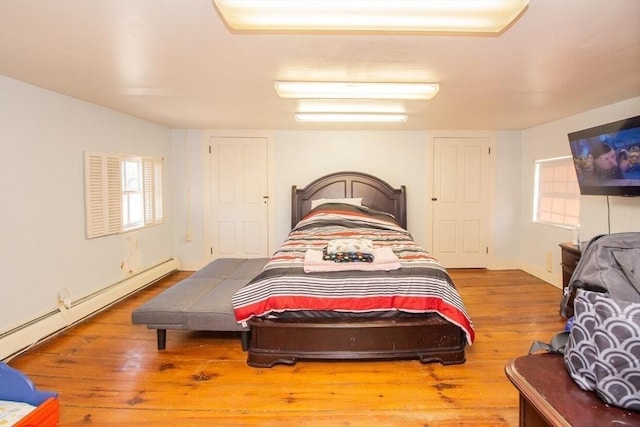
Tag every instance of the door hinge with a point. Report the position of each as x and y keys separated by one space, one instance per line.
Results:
x=209 y=149
x=487 y=249
x=489 y=150
x=211 y=250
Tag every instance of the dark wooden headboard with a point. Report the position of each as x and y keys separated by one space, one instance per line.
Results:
x=375 y=193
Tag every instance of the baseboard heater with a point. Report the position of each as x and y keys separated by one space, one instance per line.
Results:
x=22 y=337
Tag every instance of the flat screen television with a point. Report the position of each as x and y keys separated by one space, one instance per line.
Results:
x=607 y=158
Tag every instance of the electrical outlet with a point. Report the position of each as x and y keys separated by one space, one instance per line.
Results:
x=64 y=296
x=549 y=261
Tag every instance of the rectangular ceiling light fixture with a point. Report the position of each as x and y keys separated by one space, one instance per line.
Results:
x=351 y=117
x=345 y=90
x=350 y=106
x=470 y=16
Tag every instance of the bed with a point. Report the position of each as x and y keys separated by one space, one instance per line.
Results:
x=21 y=404
x=405 y=307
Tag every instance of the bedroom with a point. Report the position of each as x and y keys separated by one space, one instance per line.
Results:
x=45 y=133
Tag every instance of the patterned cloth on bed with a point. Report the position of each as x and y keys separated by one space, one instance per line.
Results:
x=12 y=412
x=421 y=285
x=348 y=250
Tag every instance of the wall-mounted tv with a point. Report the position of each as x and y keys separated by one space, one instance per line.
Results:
x=607 y=158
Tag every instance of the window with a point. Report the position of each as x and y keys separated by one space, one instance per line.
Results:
x=131 y=193
x=122 y=193
x=556 y=194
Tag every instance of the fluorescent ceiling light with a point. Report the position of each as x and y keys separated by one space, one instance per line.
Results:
x=350 y=106
x=350 y=117
x=488 y=16
x=344 y=90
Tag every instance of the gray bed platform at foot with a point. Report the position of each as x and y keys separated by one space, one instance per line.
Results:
x=201 y=302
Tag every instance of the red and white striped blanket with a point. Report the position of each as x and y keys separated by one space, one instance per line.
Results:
x=420 y=285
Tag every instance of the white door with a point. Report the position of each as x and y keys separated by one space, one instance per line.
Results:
x=239 y=197
x=460 y=202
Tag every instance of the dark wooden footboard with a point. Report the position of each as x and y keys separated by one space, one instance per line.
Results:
x=285 y=341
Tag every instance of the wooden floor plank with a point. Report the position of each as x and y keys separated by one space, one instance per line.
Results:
x=108 y=371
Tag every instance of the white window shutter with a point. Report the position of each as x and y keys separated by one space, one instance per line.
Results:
x=153 y=200
x=103 y=194
x=147 y=176
x=114 y=194
x=158 y=192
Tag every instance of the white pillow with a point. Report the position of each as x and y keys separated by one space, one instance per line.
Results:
x=349 y=201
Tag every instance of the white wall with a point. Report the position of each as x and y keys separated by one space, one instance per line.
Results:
x=295 y=157
x=397 y=157
x=550 y=140
x=505 y=233
x=188 y=188
x=298 y=157
x=43 y=248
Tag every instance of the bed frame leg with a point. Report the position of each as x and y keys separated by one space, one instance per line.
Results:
x=245 y=337
x=162 y=338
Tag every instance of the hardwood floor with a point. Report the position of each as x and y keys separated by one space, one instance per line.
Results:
x=108 y=372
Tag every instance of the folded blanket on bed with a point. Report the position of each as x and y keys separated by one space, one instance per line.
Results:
x=383 y=260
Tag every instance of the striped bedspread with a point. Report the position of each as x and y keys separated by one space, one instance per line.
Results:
x=421 y=285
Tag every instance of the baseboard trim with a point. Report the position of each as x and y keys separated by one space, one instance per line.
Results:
x=18 y=339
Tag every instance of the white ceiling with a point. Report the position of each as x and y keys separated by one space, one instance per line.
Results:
x=175 y=63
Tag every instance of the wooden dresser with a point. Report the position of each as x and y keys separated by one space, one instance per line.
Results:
x=549 y=397
x=571 y=254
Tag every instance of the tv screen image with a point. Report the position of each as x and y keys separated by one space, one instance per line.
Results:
x=607 y=158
